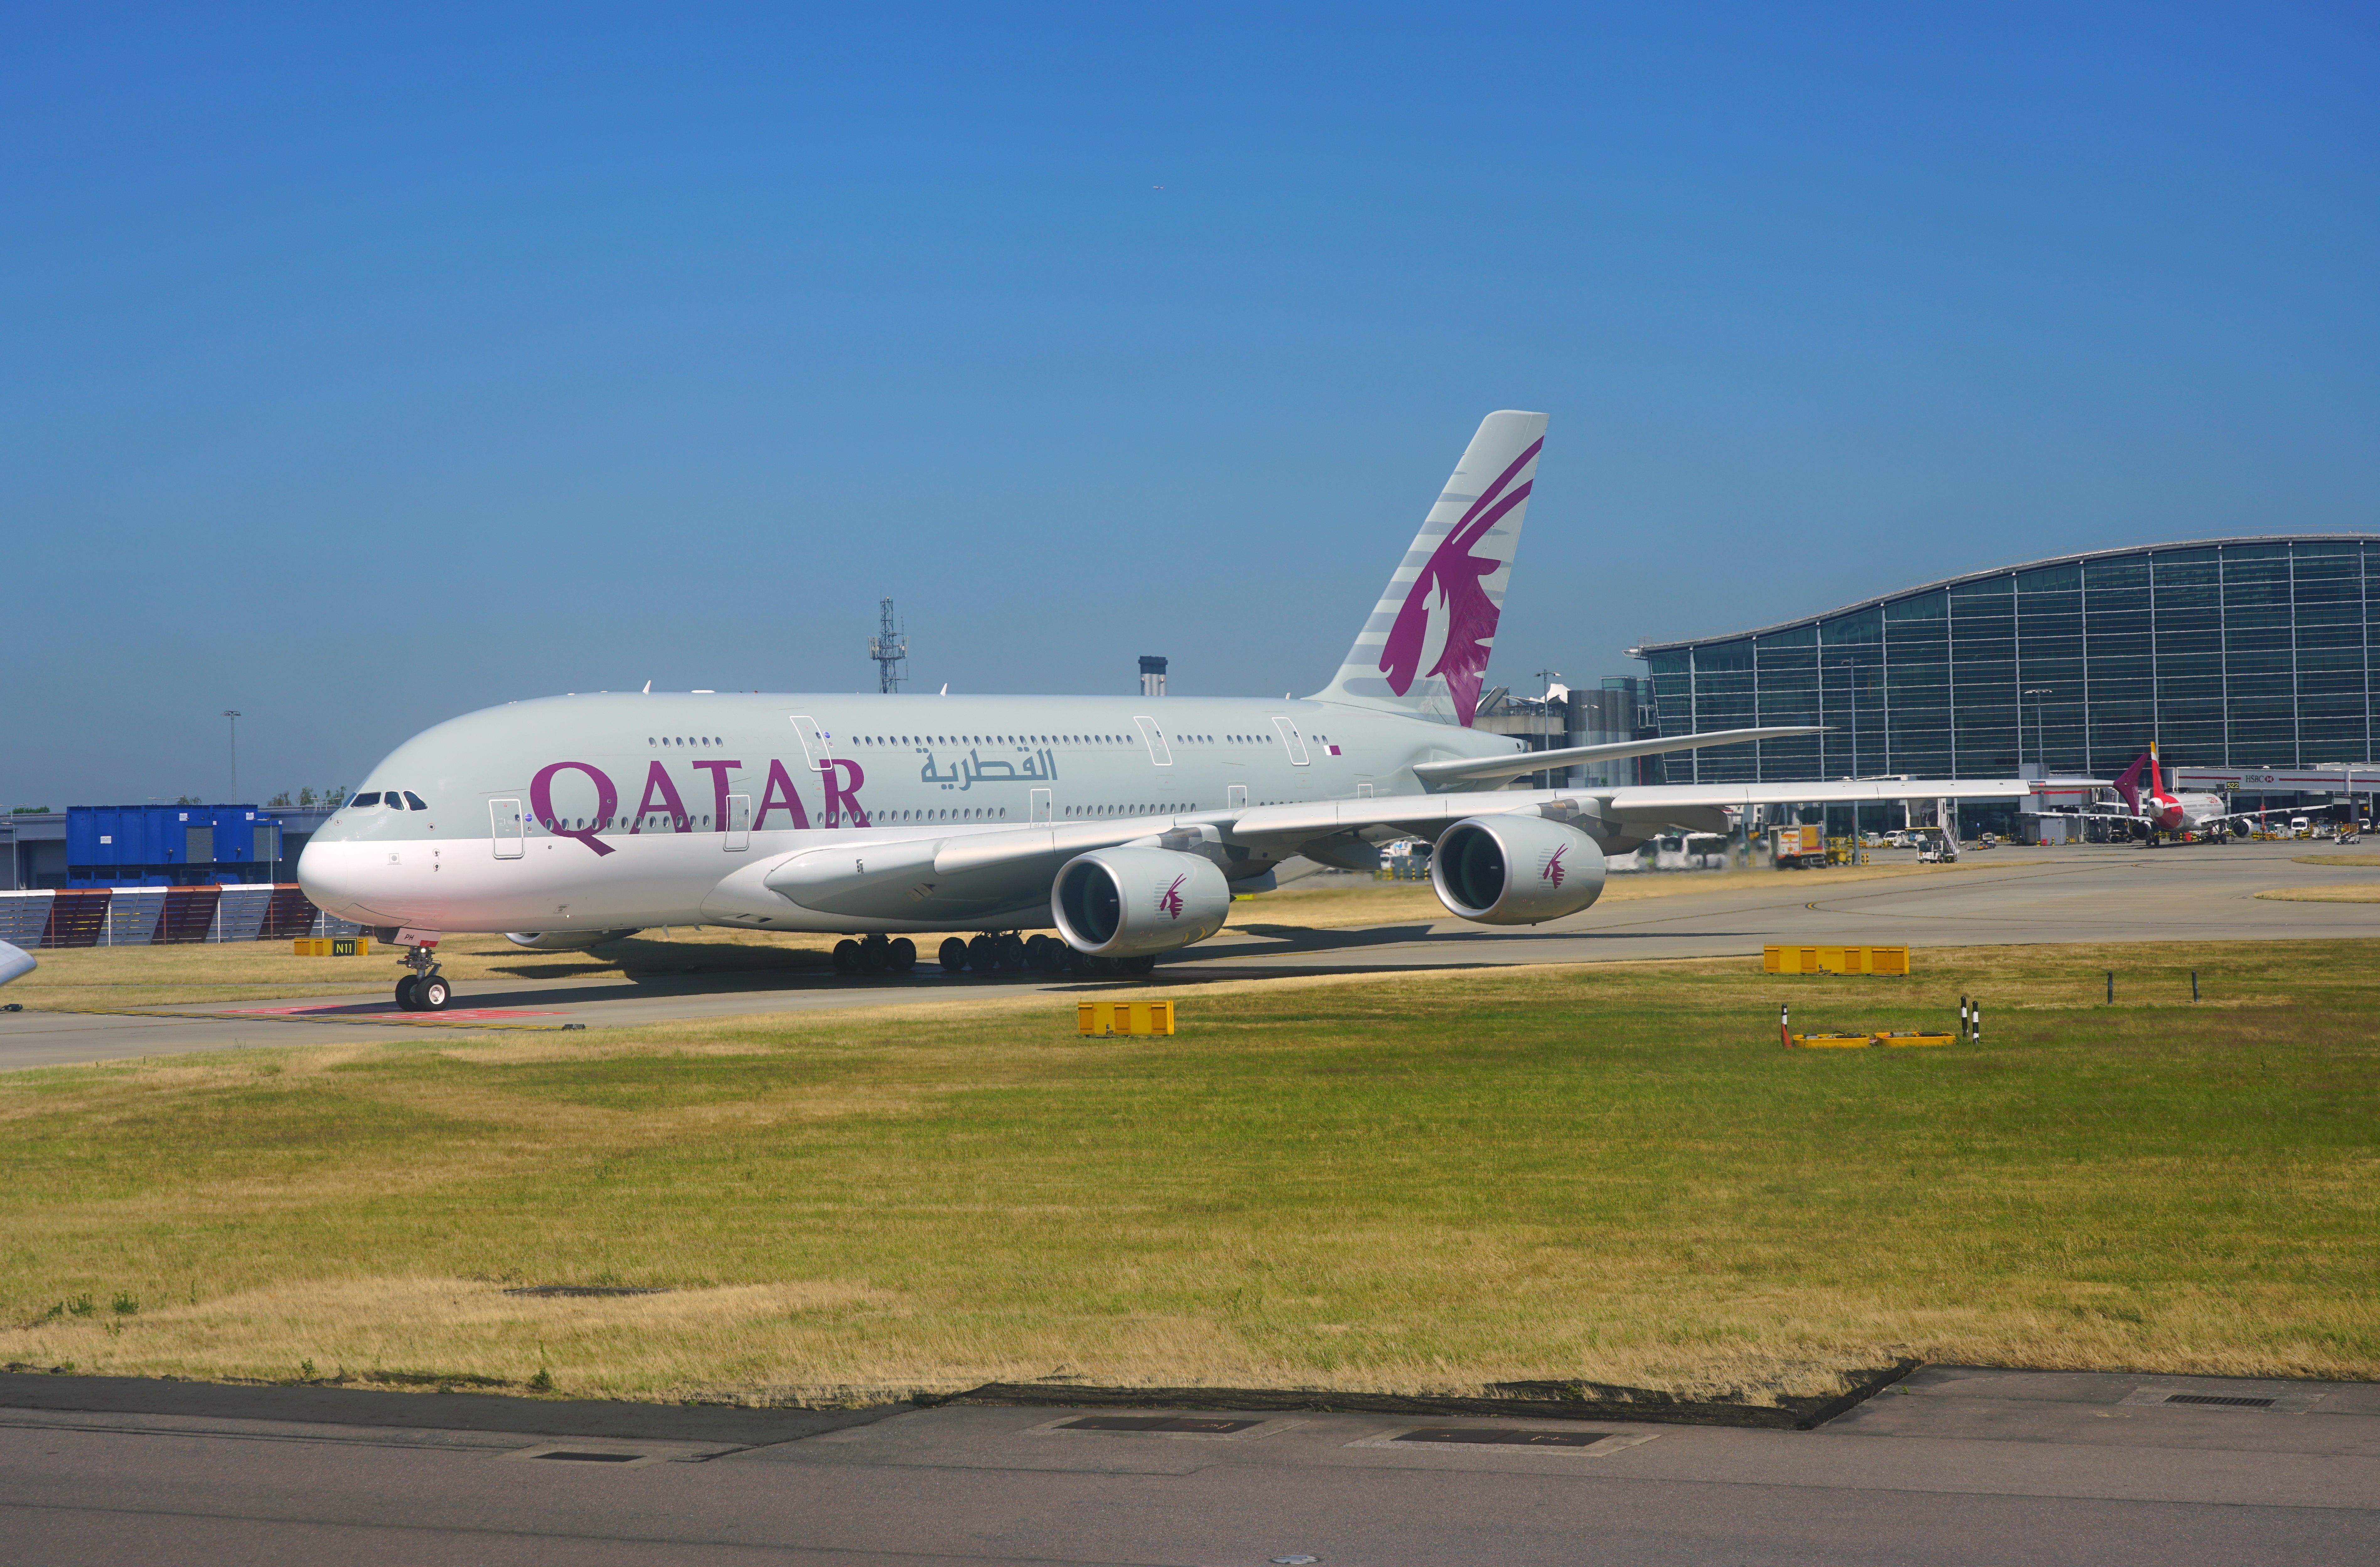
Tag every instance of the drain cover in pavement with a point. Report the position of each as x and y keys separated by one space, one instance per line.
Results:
x=2220 y=1402
x=1503 y=1438
x=1159 y=1423
x=593 y=1457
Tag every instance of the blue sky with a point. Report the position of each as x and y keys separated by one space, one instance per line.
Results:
x=360 y=368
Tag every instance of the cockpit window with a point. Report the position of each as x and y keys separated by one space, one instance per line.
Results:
x=362 y=801
x=416 y=801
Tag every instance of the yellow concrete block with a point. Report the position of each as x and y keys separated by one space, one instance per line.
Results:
x=1834 y=960
x=1106 y=1018
x=1833 y=1041
x=1900 y=1041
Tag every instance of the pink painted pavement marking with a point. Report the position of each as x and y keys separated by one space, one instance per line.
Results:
x=481 y=1013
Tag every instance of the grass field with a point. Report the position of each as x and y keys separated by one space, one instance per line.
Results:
x=2328 y=893
x=1609 y=1172
x=113 y=977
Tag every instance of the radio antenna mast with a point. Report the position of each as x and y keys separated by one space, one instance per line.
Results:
x=888 y=647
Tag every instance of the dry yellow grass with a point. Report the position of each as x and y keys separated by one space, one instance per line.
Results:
x=2336 y=860
x=1408 y=1184
x=200 y=973
x=168 y=976
x=2340 y=892
x=1343 y=901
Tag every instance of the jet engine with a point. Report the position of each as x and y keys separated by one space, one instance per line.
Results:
x=1130 y=902
x=563 y=941
x=1515 y=869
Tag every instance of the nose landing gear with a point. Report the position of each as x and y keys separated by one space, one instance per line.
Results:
x=424 y=988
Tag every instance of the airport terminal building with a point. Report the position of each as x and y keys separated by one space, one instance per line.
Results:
x=2249 y=652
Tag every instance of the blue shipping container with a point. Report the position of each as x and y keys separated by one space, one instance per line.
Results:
x=155 y=845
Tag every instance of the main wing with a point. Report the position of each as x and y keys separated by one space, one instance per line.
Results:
x=965 y=875
x=1700 y=807
x=1478 y=770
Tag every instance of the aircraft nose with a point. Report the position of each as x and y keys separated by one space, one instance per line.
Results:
x=335 y=877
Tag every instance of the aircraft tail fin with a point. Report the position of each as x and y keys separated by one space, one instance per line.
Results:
x=2128 y=786
x=1425 y=648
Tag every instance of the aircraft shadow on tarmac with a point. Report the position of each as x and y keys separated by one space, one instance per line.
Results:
x=685 y=974
x=1303 y=939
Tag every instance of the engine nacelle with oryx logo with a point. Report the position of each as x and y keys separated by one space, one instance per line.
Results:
x=1130 y=902
x=1515 y=869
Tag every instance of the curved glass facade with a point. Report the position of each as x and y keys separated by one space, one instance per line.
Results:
x=2236 y=652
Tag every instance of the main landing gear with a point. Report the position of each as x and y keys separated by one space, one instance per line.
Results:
x=424 y=989
x=875 y=955
x=1011 y=953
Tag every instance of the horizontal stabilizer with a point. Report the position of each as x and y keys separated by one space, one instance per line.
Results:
x=1437 y=775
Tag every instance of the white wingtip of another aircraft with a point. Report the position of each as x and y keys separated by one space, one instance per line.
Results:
x=15 y=963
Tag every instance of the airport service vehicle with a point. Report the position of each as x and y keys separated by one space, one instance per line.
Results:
x=1795 y=847
x=15 y=962
x=1124 y=823
x=2155 y=814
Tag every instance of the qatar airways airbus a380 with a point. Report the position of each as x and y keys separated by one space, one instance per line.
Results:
x=1124 y=823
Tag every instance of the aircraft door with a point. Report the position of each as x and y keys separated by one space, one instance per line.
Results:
x=1235 y=796
x=813 y=738
x=739 y=822
x=1293 y=740
x=1040 y=798
x=1158 y=752
x=509 y=827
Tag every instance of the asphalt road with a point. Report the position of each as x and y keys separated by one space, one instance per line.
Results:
x=2005 y=896
x=1964 y=1466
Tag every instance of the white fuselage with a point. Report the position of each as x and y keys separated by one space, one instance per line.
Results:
x=653 y=809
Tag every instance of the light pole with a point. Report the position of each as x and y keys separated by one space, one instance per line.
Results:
x=1850 y=666
x=2040 y=749
x=232 y=714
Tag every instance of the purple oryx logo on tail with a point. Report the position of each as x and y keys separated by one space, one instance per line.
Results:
x=1553 y=871
x=1448 y=620
x=1168 y=902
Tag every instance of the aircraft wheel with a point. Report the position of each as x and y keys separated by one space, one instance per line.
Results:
x=982 y=956
x=902 y=955
x=405 y=988
x=1011 y=954
x=846 y=956
x=873 y=954
x=953 y=955
x=1147 y=964
x=432 y=993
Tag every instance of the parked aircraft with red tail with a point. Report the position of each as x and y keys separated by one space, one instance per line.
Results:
x=2154 y=813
